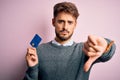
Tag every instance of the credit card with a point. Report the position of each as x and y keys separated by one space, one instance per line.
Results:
x=35 y=41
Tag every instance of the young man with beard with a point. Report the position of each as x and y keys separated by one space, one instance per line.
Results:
x=62 y=58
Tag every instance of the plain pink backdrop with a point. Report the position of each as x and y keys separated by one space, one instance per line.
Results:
x=21 y=19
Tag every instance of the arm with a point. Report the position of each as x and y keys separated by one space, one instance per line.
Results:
x=32 y=62
x=107 y=55
x=31 y=73
x=97 y=49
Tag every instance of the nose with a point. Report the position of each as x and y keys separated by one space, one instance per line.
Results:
x=65 y=26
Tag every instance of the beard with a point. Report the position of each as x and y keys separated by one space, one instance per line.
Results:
x=63 y=38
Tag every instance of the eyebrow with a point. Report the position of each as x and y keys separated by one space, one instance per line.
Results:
x=64 y=20
x=70 y=21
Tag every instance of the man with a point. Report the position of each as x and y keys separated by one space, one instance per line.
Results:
x=62 y=58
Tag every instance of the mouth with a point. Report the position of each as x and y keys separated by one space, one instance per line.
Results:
x=64 y=32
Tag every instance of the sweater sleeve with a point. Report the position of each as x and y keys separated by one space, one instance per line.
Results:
x=31 y=73
x=108 y=55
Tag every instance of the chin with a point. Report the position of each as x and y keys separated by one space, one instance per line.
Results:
x=64 y=38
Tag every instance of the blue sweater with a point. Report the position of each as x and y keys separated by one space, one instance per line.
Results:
x=62 y=62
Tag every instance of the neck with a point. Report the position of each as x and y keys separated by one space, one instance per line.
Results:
x=60 y=41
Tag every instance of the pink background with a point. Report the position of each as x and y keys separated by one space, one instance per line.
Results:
x=21 y=19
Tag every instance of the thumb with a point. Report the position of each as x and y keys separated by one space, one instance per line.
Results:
x=88 y=64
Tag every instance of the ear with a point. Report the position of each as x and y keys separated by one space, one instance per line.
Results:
x=53 y=22
x=75 y=23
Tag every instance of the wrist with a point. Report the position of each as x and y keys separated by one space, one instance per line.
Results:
x=109 y=46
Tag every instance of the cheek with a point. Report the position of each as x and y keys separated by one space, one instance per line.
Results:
x=58 y=27
x=72 y=29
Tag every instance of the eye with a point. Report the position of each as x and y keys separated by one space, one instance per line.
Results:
x=70 y=22
x=60 y=21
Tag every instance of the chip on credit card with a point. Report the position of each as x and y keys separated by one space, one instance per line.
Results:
x=35 y=41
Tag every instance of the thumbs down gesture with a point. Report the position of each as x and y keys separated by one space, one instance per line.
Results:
x=94 y=47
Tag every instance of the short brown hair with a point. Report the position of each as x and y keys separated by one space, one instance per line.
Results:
x=66 y=7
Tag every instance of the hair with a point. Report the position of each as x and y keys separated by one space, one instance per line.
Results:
x=66 y=7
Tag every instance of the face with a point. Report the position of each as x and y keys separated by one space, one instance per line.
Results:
x=64 y=25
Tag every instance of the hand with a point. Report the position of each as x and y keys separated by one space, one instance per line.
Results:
x=31 y=57
x=94 y=47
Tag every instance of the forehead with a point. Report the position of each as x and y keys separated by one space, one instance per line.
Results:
x=65 y=16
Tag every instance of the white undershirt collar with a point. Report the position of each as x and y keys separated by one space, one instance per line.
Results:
x=69 y=43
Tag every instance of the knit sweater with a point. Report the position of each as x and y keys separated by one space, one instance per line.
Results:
x=62 y=62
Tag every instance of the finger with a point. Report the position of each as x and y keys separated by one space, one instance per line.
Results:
x=89 y=48
x=88 y=64
x=85 y=51
x=86 y=45
x=98 y=48
x=88 y=53
x=92 y=39
x=90 y=44
x=31 y=50
x=29 y=57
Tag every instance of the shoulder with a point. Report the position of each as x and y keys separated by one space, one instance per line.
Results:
x=80 y=44
x=43 y=46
